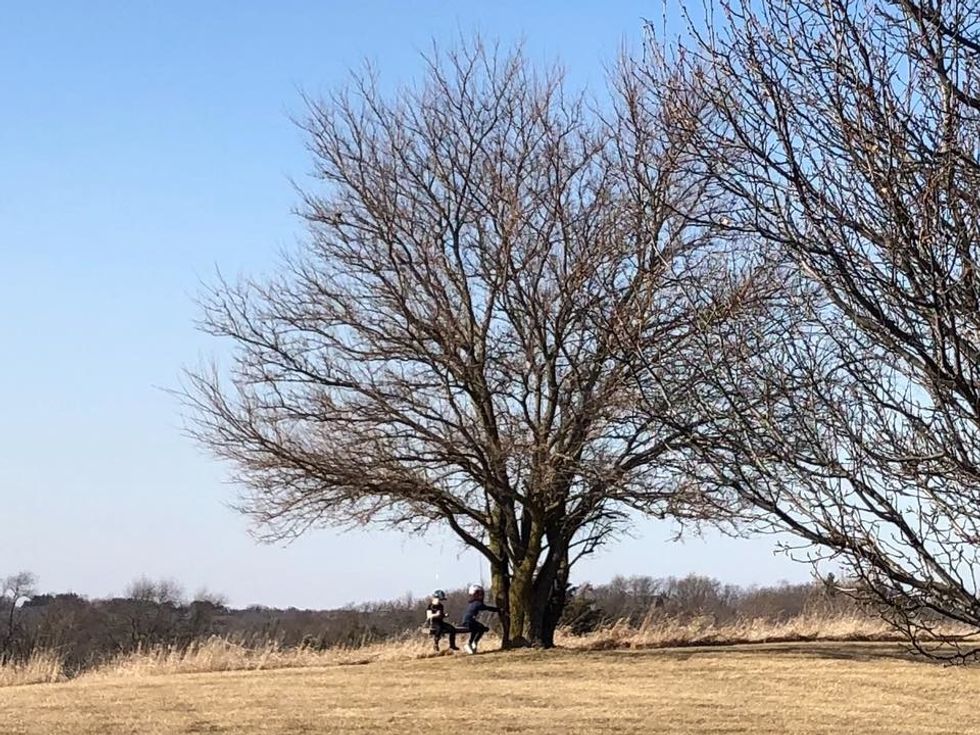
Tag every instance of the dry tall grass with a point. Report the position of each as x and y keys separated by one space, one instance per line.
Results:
x=220 y=654
x=667 y=632
x=43 y=667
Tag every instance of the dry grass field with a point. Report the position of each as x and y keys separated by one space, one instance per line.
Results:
x=808 y=688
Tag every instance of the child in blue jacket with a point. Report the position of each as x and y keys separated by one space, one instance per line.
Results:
x=471 y=619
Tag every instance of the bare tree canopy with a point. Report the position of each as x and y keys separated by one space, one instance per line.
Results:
x=457 y=343
x=848 y=135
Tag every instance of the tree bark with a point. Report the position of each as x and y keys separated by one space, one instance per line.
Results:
x=555 y=605
x=520 y=609
x=500 y=582
x=548 y=596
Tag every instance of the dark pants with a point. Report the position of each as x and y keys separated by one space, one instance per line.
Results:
x=438 y=628
x=476 y=629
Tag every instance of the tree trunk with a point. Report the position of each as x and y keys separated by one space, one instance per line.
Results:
x=500 y=581
x=550 y=593
x=555 y=606
x=531 y=595
x=520 y=608
x=531 y=604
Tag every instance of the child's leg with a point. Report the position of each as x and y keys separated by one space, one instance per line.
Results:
x=451 y=631
x=435 y=640
x=481 y=629
x=474 y=632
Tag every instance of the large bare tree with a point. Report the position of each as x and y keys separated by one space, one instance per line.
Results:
x=455 y=344
x=847 y=133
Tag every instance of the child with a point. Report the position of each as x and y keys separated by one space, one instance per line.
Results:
x=435 y=614
x=471 y=620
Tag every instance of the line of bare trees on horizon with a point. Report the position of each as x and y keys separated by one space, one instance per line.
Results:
x=742 y=290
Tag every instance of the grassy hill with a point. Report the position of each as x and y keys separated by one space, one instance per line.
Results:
x=776 y=688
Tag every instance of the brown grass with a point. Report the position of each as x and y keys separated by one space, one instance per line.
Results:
x=219 y=654
x=43 y=667
x=670 y=632
x=805 y=689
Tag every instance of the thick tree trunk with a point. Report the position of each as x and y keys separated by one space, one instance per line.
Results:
x=550 y=589
x=531 y=604
x=555 y=606
x=500 y=581
x=520 y=609
x=532 y=594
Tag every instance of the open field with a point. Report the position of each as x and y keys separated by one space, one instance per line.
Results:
x=777 y=688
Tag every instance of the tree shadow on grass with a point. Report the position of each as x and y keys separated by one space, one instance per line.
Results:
x=842 y=651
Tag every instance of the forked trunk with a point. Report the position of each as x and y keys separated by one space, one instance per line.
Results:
x=531 y=595
x=534 y=600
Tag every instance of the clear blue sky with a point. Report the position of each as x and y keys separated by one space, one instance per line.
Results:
x=141 y=145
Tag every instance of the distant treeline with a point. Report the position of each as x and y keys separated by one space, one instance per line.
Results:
x=87 y=632
x=637 y=599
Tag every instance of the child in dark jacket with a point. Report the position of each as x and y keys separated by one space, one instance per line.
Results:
x=435 y=615
x=471 y=619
